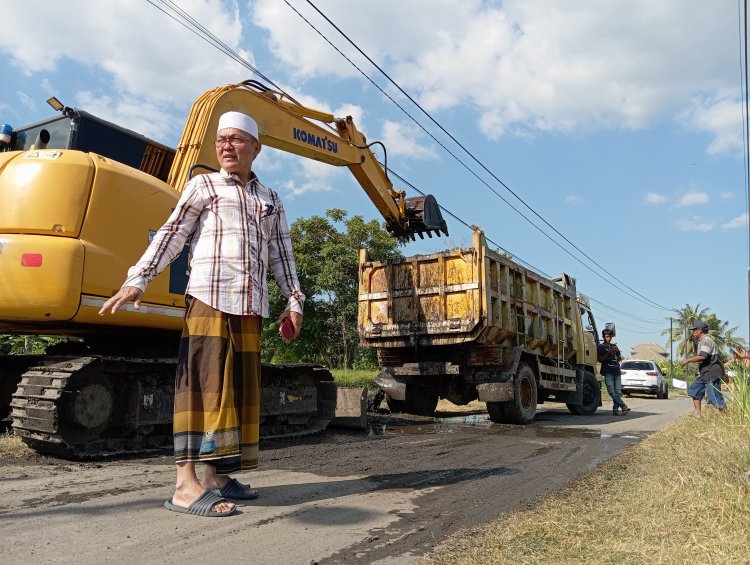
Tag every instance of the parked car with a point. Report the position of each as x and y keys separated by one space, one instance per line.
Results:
x=643 y=377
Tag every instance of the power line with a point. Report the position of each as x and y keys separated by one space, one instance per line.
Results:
x=183 y=18
x=469 y=153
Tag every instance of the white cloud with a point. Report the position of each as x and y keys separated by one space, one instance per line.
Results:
x=146 y=117
x=736 y=223
x=404 y=139
x=692 y=199
x=570 y=199
x=26 y=100
x=528 y=66
x=696 y=223
x=521 y=66
x=146 y=53
x=726 y=195
x=309 y=175
x=654 y=198
x=721 y=117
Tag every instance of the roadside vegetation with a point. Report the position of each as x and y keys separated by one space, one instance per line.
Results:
x=680 y=496
x=12 y=446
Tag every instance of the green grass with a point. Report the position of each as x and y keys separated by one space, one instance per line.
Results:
x=355 y=378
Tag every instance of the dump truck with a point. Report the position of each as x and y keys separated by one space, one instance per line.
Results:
x=471 y=324
x=81 y=198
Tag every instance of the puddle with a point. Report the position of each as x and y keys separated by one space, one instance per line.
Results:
x=482 y=421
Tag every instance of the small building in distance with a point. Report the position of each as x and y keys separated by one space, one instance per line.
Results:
x=649 y=351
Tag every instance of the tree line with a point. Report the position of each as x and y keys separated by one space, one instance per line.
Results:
x=326 y=250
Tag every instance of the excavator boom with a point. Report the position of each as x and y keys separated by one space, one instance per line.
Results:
x=286 y=125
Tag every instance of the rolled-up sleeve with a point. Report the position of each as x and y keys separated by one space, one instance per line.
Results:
x=169 y=239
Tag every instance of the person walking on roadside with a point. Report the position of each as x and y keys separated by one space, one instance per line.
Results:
x=710 y=370
x=237 y=230
x=608 y=354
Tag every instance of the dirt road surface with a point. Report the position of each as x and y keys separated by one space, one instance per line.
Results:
x=386 y=497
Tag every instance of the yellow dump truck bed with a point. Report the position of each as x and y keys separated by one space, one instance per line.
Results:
x=461 y=296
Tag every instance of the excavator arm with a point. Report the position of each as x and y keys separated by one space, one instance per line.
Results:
x=286 y=125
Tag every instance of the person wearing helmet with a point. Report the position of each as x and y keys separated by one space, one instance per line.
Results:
x=608 y=354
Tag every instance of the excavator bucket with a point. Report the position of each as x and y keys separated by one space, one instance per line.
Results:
x=351 y=408
x=424 y=216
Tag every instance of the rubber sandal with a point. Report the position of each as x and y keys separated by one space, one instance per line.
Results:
x=201 y=506
x=236 y=490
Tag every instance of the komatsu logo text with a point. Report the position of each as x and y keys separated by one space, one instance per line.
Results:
x=316 y=140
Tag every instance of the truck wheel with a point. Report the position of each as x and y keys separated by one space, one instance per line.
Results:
x=395 y=405
x=592 y=392
x=666 y=391
x=496 y=412
x=421 y=400
x=522 y=409
x=660 y=393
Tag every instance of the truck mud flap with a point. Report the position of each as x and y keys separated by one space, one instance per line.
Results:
x=393 y=388
x=496 y=392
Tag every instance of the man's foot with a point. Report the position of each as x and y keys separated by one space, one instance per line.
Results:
x=624 y=411
x=615 y=412
x=184 y=497
x=230 y=488
x=695 y=415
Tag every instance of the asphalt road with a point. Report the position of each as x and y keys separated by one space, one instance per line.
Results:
x=387 y=496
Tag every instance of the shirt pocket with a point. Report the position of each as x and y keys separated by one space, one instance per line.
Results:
x=268 y=216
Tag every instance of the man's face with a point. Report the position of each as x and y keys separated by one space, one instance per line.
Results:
x=236 y=150
x=697 y=333
x=607 y=338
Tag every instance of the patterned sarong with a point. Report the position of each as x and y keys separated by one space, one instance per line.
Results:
x=217 y=389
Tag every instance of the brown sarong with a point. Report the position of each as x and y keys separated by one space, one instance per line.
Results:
x=217 y=389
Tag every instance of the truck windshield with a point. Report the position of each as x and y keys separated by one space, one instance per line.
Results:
x=59 y=130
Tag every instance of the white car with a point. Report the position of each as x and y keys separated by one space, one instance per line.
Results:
x=643 y=377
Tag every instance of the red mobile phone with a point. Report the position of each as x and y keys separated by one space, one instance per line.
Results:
x=287 y=328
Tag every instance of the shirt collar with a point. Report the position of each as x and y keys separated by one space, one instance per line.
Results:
x=233 y=176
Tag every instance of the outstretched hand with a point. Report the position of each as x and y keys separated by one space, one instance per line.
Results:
x=295 y=319
x=124 y=295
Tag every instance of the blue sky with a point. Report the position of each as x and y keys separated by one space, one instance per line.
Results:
x=620 y=123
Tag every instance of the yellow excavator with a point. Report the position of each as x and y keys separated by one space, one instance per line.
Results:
x=80 y=199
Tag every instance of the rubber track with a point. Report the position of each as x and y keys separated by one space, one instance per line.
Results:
x=38 y=417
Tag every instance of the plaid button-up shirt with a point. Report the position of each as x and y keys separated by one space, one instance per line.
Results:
x=236 y=232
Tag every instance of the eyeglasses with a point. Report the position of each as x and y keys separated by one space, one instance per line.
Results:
x=234 y=141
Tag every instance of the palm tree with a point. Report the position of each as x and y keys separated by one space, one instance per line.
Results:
x=683 y=319
x=724 y=336
x=719 y=330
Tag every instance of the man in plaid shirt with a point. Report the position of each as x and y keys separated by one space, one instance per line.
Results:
x=237 y=230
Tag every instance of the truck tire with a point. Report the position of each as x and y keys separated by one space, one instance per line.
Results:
x=421 y=400
x=394 y=405
x=592 y=393
x=522 y=409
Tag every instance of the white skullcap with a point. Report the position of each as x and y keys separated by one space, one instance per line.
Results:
x=238 y=120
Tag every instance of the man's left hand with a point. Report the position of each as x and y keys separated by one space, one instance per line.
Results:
x=296 y=319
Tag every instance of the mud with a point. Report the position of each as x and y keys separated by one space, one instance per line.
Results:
x=388 y=495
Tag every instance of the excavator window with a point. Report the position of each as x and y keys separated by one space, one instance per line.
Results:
x=59 y=131
x=83 y=132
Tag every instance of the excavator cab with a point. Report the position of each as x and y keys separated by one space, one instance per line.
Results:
x=78 y=130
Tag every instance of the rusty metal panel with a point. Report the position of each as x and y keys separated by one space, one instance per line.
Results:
x=472 y=295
